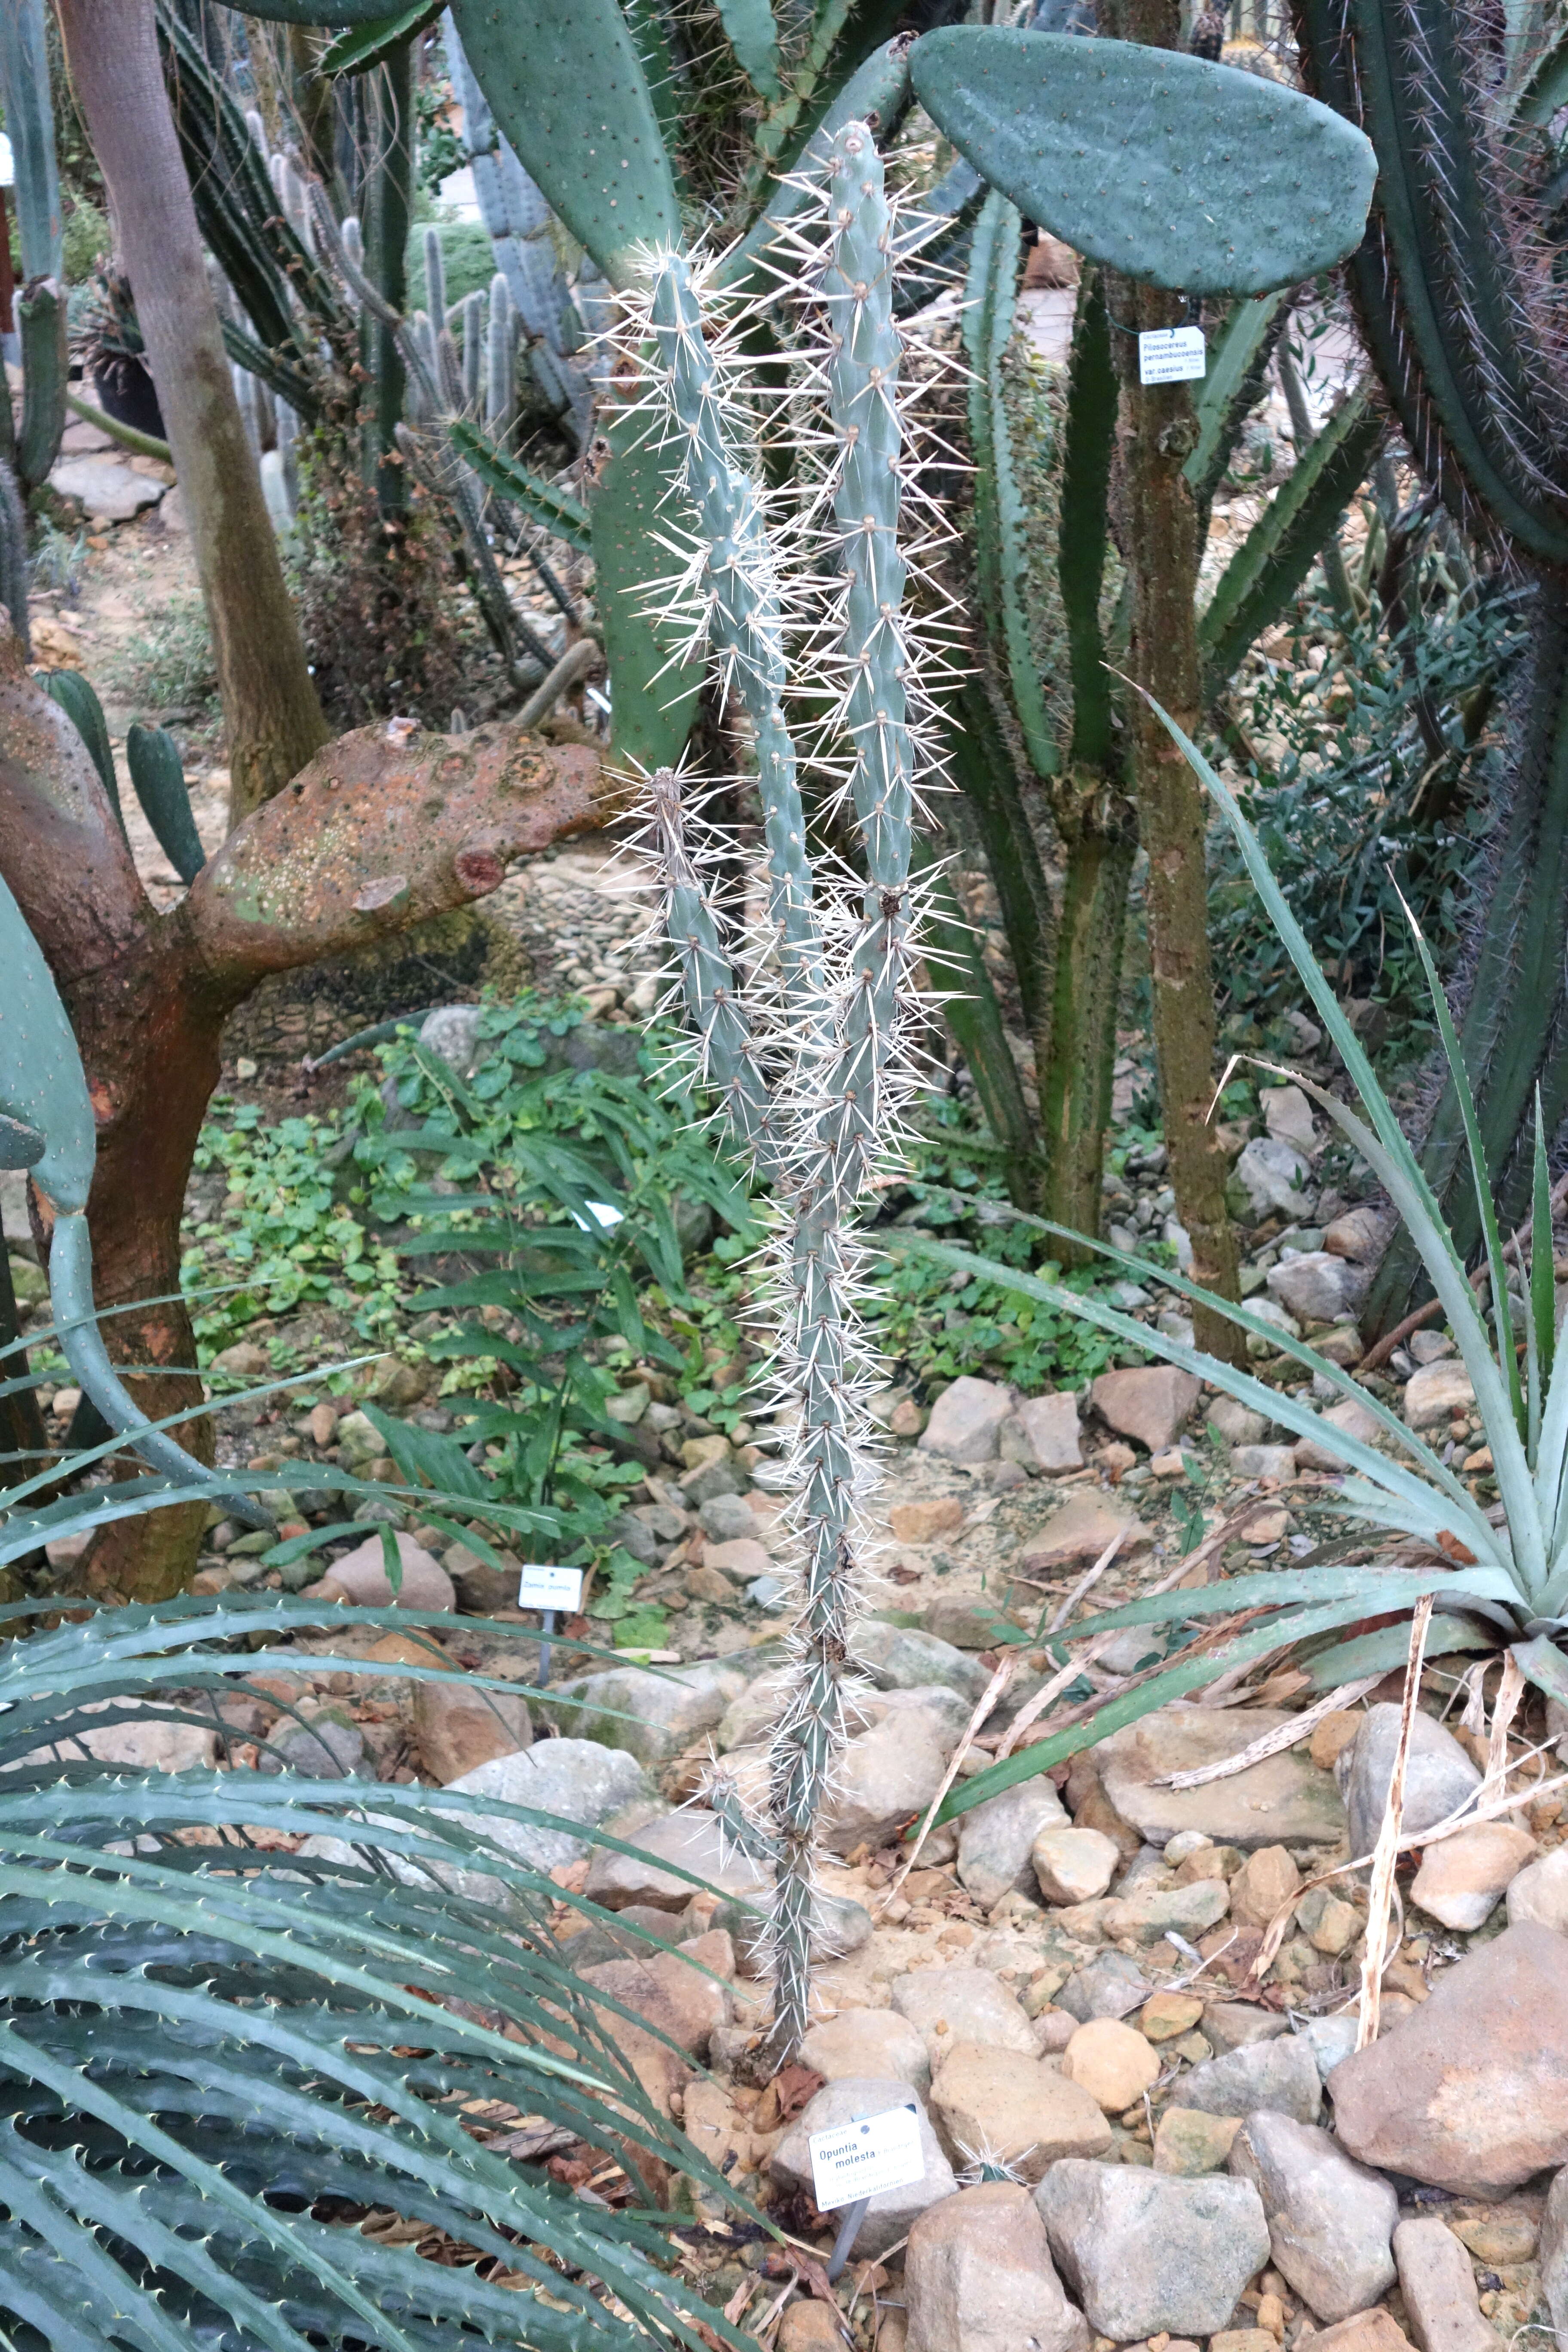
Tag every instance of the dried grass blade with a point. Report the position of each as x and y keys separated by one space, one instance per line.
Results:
x=1386 y=1851
x=983 y=1706
x=1272 y=1743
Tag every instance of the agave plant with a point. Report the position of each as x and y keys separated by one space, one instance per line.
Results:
x=1496 y=1584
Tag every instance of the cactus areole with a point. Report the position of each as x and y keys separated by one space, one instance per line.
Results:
x=1183 y=174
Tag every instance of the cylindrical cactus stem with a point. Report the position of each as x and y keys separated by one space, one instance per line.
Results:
x=14 y=557
x=473 y=350
x=499 y=347
x=740 y=583
x=434 y=280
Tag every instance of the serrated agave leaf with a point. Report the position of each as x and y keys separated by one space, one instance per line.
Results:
x=1166 y=168
x=1543 y=1313
x=28 y=2200
x=1132 y=1706
x=1388 y=1648
x=1289 y=1587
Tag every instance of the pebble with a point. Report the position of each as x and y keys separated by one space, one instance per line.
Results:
x=360 y=1577
x=978 y=2277
x=1043 y=1433
x=923 y=1522
x=1265 y=1884
x=1330 y=2219
x=1111 y=1986
x=1168 y=2014
x=1152 y=1913
x=996 y=1839
x=1282 y=2074
x=457 y=1727
x=1073 y=1866
x=1434 y=1393
x=1319 y=1286
x=1555 y=2251
x=867 y=2041
x=1188 y=2142
x=1112 y=2062
x=1234 y=1422
x=1366 y=2331
x=906 y=1657
x=947 y=2005
x=883 y=1777
x=1148 y=2253
x=1081 y=1529
x=1538 y=1895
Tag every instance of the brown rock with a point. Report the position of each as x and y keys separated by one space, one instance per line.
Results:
x=323 y=1424
x=1153 y=1404
x=1025 y=2112
x=1463 y=1878
x=677 y=1998
x=1333 y=1736
x=1081 y=1531
x=361 y=1577
x=1167 y=2015
x=740 y=1560
x=1043 y=1433
x=922 y=1523
x=978 y=2277
x=1470 y=2091
x=1111 y=2061
x=1094 y=1810
x=1284 y=1800
x=1439 y=2289
x=458 y=1727
x=965 y=1420
x=1363 y=2331
x=809 y=2327
x=1266 y=1881
x=1074 y=1866
x=1355 y=1418
x=1189 y=2143
x=705 y=1583
x=1244 y=2339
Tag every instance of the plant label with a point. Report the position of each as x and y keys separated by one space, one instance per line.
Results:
x=1170 y=355
x=545 y=1587
x=862 y=2158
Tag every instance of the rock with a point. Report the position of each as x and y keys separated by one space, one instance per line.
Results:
x=738 y=1560
x=860 y=2041
x=892 y=2212
x=1016 y=2108
x=717 y=1477
x=458 y=1727
x=1043 y=1433
x=903 y=1657
x=1368 y=2331
x=1280 y=2075
x=1361 y=1234
x=1153 y=1404
x=690 y=1839
x=1427 y=1346
x=997 y=1840
x=956 y=2004
x=1356 y=1420
x=652 y=1715
x=1148 y=2254
x=978 y=2277
x=1287 y=1116
x=1538 y=1896
x=1111 y=1986
x=1234 y=1424
x=1463 y=1878
x=1167 y=2015
x=1283 y=1801
x=968 y=1621
x=246 y=1361
x=1329 y=1924
x=1269 y=1311
x=452 y=1033
x=1277 y=1462
x=809 y=2327
x=1235 y=2024
x=360 y=1577
x=482 y=1590
x=1555 y=2251
x=1266 y=1179
x=1330 y=2219
x=109 y=492
x=1081 y=1531
x=934 y=1712
x=1470 y=2091
x=151 y=1747
x=922 y=1523
x=685 y=2002
x=1332 y=2039
x=325 y=1748
x=1073 y=1866
x=1435 y=1393
x=1439 y=2289
x=1266 y=1882
x=1439 y=1777
x=1319 y=1288
x=1111 y=2061
x=966 y=1420
x=728 y=1518
x=1146 y=1916
x=1189 y=2143
x=885 y=1776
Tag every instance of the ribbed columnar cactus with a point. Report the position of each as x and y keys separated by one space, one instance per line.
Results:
x=810 y=1074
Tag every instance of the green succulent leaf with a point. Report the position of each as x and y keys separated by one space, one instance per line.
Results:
x=361 y=48
x=752 y=35
x=1166 y=168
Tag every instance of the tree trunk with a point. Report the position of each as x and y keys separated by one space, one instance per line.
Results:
x=1097 y=826
x=1158 y=518
x=380 y=831
x=270 y=709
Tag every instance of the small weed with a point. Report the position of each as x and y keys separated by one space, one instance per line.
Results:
x=58 y=559
x=171 y=666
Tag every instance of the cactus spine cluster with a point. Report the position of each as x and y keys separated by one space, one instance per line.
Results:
x=807 y=1049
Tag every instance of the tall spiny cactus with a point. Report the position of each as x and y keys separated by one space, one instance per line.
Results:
x=810 y=1082
x=41 y=307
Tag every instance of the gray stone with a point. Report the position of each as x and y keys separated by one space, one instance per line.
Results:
x=360 y=1577
x=693 y=1841
x=1437 y=1391
x=1287 y=1113
x=322 y=1749
x=653 y=1716
x=1355 y=1419
x=1330 y=2219
x=1554 y=2252
x=1361 y=1234
x=892 y=2212
x=1439 y=2285
x=1281 y=2075
x=452 y=1034
x=957 y=2004
x=712 y=1479
x=1235 y=2024
x=1150 y=2254
x=1540 y=1893
x=1234 y=1424
x=1268 y=1179
x=978 y=2277
x=886 y=1777
x=105 y=489
x=1263 y=1462
x=995 y=1841
x=1332 y=2039
x=1283 y=1800
x=1319 y=1288
x=1147 y=1914
x=966 y=1420
x=903 y=1657
x=867 y=2041
x=728 y=1518
x=936 y=1712
x=1111 y=1986
x=633 y=1534
x=1043 y=1433
x=1439 y=1778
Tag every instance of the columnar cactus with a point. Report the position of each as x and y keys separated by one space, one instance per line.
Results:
x=810 y=1079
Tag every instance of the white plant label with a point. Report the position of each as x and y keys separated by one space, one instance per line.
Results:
x=862 y=2158
x=1170 y=355
x=545 y=1587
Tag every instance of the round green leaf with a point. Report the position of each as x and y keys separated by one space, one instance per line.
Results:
x=1182 y=174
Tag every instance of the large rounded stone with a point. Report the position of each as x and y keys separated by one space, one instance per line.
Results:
x=1538 y=1896
x=892 y=2212
x=978 y=2277
x=1073 y=1866
x=1111 y=2061
x=867 y=2041
x=360 y=1577
x=1463 y=1878
x=997 y=2102
x=1439 y=1778
x=955 y=2004
x=1330 y=2219
x=966 y=1420
x=996 y=1839
x=652 y=1716
x=1283 y=1800
x=1148 y=2253
x=691 y=1840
